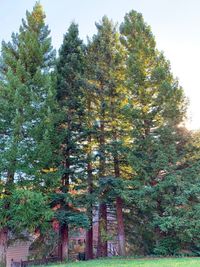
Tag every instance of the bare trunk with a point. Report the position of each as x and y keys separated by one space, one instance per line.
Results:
x=89 y=244
x=63 y=248
x=102 y=231
x=120 y=223
x=3 y=245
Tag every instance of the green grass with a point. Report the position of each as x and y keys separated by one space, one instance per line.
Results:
x=167 y=262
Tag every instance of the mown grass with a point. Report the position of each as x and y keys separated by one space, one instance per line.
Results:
x=167 y=262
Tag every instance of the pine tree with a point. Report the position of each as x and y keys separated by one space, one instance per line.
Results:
x=27 y=101
x=102 y=126
x=70 y=96
x=156 y=109
x=106 y=57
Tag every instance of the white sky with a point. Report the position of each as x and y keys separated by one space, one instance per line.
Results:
x=175 y=24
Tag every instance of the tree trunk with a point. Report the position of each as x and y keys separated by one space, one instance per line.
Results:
x=64 y=240
x=120 y=221
x=89 y=244
x=3 y=245
x=89 y=233
x=102 y=250
x=63 y=248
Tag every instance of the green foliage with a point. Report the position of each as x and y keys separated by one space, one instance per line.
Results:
x=156 y=109
x=167 y=246
x=106 y=71
x=28 y=210
x=71 y=127
x=28 y=114
x=103 y=121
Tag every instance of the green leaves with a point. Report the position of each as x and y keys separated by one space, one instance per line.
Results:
x=73 y=218
x=28 y=210
x=103 y=125
x=28 y=140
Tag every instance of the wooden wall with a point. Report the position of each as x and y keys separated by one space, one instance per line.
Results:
x=17 y=252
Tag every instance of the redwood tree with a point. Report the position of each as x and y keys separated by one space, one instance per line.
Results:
x=27 y=143
x=70 y=96
x=107 y=57
x=156 y=109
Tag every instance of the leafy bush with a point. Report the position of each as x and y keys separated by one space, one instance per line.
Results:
x=167 y=246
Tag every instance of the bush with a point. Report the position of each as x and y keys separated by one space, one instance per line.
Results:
x=167 y=246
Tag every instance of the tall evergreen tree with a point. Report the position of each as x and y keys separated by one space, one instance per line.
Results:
x=108 y=119
x=156 y=109
x=27 y=101
x=70 y=96
x=107 y=73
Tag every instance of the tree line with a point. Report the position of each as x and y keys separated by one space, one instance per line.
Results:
x=100 y=126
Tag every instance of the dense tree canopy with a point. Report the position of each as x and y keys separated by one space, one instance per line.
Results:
x=28 y=140
x=97 y=130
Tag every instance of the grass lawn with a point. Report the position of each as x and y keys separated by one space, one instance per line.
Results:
x=180 y=262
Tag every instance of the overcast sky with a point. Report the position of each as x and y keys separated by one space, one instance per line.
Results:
x=175 y=24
